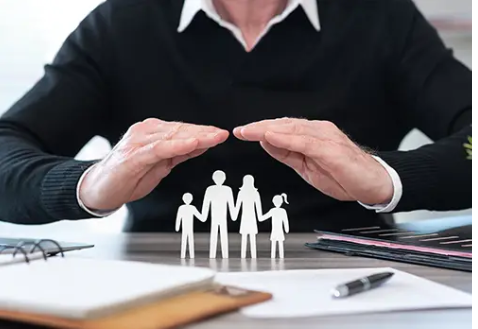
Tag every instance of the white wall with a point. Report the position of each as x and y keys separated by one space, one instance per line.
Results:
x=32 y=30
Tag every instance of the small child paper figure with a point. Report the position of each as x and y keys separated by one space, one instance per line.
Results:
x=280 y=223
x=185 y=216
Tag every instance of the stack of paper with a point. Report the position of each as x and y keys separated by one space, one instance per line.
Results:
x=302 y=293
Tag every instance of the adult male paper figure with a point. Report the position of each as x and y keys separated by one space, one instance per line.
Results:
x=219 y=199
x=185 y=216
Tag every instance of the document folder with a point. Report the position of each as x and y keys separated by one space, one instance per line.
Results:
x=444 y=242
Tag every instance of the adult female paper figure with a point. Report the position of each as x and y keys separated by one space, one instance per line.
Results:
x=280 y=223
x=249 y=200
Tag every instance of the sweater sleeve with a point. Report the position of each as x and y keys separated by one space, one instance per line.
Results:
x=44 y=130
x=432 y=92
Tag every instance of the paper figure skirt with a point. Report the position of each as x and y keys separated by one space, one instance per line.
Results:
x=248 y=220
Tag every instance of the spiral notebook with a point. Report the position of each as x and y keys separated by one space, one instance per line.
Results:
x=80 y=293
x=10 y=245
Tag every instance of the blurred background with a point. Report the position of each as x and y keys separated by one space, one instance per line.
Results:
x=31 y=31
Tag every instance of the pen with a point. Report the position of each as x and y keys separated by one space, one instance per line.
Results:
x=360 y=285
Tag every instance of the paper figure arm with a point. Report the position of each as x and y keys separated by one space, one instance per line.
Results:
x=266 y=216
x=206 y=204
x=258 y=205
x=230 y=204
x=178 y=219
x=285 y=219
x=237 y=207
x=199 y=215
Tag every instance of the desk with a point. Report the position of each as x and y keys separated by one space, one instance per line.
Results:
x=164 y=248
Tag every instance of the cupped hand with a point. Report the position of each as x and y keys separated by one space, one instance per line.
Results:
x=324 y=156
x=145 y=155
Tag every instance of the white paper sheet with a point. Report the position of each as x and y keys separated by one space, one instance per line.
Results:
x=8 y=259
x=84 y=288
x=302 y=293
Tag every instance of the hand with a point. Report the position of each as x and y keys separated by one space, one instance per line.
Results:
x=146 y=154
x=324 y=156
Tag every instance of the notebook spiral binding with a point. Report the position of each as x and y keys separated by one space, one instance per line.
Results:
x=22 y=248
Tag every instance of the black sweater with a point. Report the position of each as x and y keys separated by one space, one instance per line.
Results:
x=376 y=69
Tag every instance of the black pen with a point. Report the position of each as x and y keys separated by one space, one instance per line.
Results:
x=363 y=284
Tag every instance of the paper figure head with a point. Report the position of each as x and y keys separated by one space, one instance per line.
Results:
x=219 y=177
x=187 y=198
x=248 y=183
x=277 y=200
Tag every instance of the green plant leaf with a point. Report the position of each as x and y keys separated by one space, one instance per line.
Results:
x=469 y=148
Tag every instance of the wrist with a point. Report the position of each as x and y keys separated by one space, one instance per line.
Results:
x=86 y=192
x=386 y=189
x=390 y=204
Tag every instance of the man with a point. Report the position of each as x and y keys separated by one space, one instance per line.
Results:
x=218 y=199
x=167 y=81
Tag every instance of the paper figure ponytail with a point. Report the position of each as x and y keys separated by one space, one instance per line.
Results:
x=285 y=197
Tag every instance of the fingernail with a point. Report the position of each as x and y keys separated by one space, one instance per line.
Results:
x=237 y=130
x=212 y=135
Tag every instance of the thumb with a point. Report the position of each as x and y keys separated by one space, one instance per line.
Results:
x=291 y=159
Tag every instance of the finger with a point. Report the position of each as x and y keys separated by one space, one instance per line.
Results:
x=148 y=126
x=311 y=173
x=164 y=150
x=256 y=129
x=185 y=129
x=317 y=129
x=153 y=126
x=205 y=139
x=292 y=159
x=305 y=145
x=178 y=160
x=331 y=157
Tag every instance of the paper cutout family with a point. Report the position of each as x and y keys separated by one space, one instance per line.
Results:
x=218 y=200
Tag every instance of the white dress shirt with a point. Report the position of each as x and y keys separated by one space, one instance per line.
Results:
x=189 y=11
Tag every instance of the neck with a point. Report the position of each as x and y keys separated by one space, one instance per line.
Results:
x=250 y=16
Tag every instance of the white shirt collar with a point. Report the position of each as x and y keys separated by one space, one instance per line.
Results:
x=192 y=7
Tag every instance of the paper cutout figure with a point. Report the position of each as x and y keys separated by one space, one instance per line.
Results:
x=219 y=199
x=280 y=223
x=249 y=201
x=185 y=216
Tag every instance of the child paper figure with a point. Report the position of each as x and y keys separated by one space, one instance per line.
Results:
x=280 y=223
x=185 y=216
x=249 y=200
x=218 y=198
